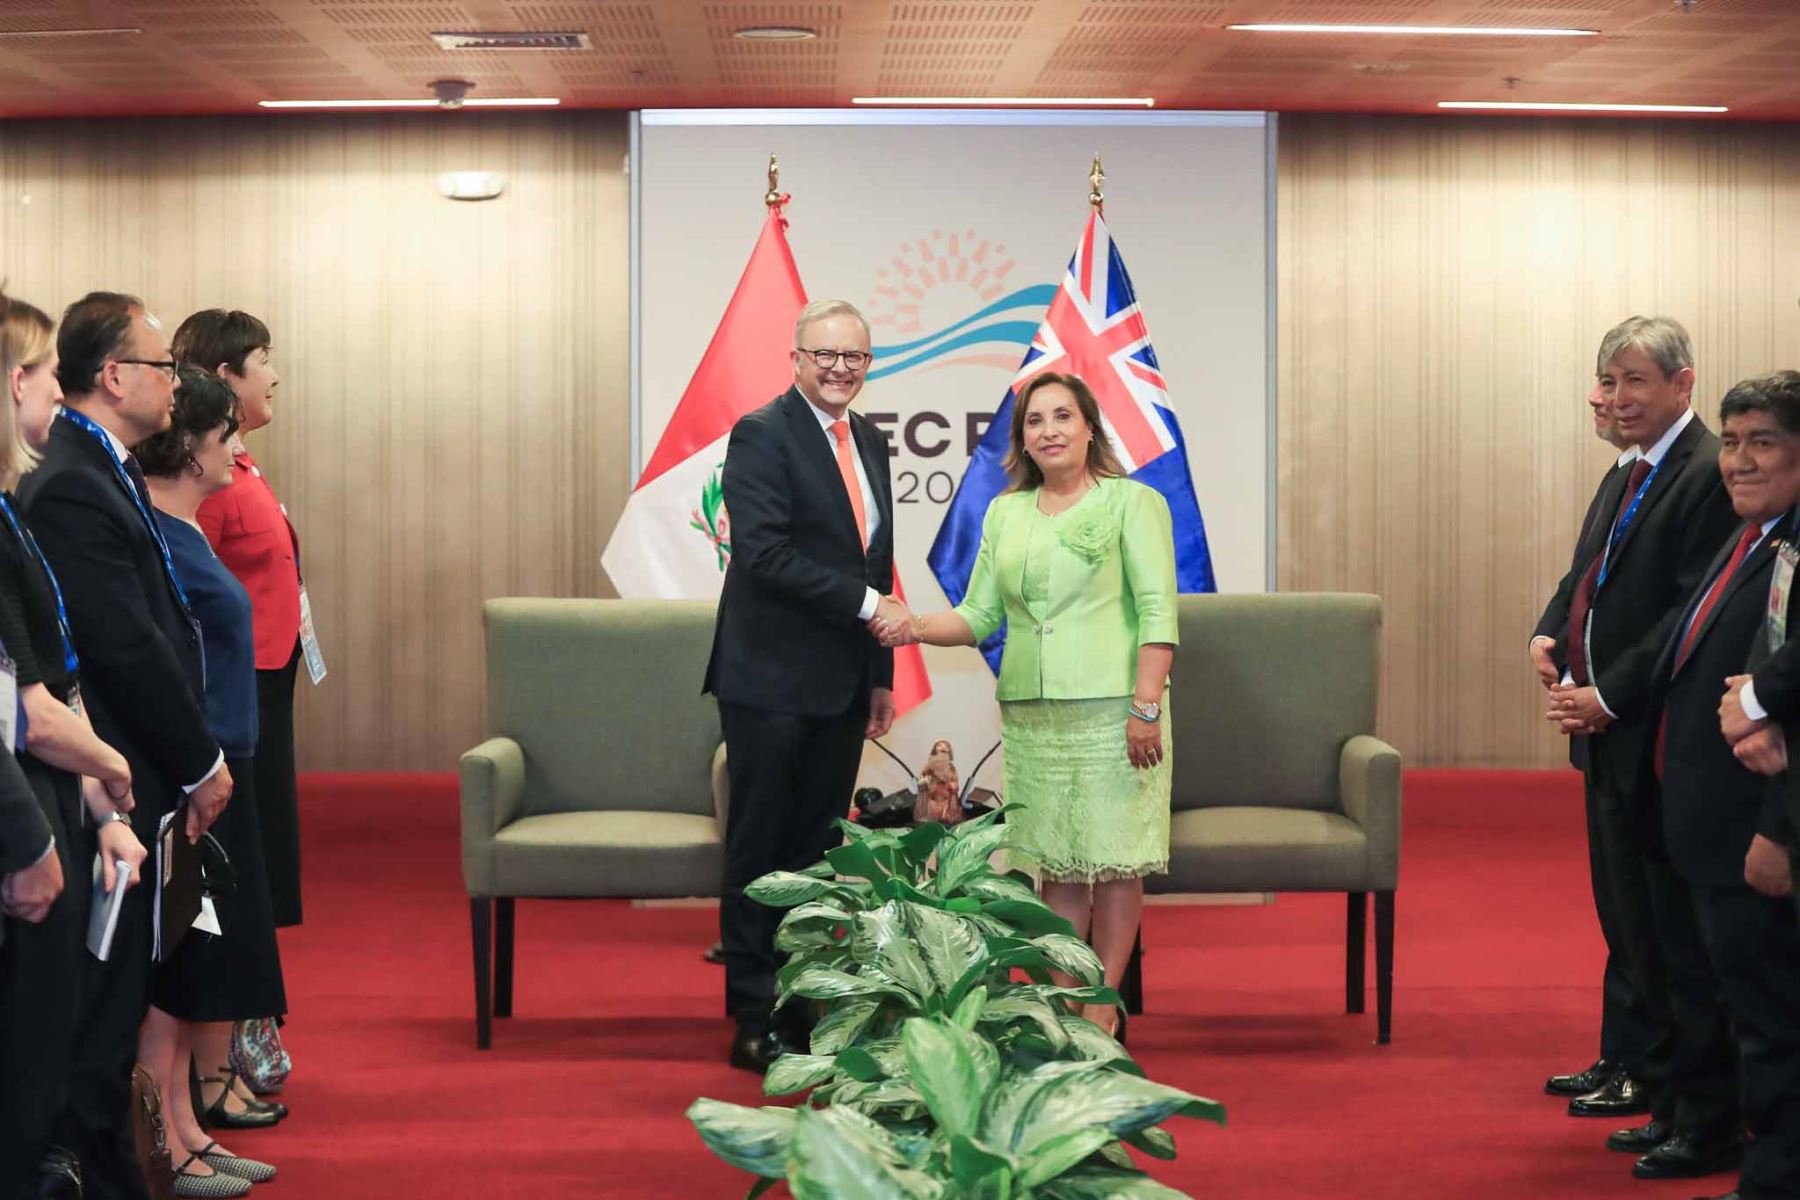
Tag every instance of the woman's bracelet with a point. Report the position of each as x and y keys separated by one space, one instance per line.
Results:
x=918 y=626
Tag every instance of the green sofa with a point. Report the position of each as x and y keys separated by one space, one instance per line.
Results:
x=1280 y=784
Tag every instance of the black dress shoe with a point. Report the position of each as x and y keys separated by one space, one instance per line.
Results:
x=1582 y=1082
x=1685 y=1157
x=1621 y=1096
x=1641 y=1139
x=756 y=1049
x=1731 y=1195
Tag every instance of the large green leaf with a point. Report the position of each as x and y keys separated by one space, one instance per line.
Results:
x=752 y=1139
x=860 y=1065
x=796 y=1072
x=1027 y=1005
x=1116 y=1154
x=815 y=923
x=946 y=943
x=1027 y=917
x=1072 y=956
x=939 y=1060
x=783 y=889
x=840 y=1154
x=759 y=1187
x=1061 y=1101
x=857 y=859
x=1154 y=1141
x=969 y=1011
x=1002 y=887
x=1051 y=1158
x=1107 y=1183
x=1087 y=995
x=1092 y=1043
x=970 y=1161
x=921 y=841
x=885 y=940
x=966 y=854
x=826 y=983
x=842 y=1022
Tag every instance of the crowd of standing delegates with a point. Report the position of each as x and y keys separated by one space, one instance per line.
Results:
x=1666 y=657
x=136 y=605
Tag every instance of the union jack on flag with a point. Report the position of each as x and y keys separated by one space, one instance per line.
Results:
x=1096 y=330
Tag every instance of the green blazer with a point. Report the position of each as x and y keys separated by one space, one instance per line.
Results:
x=1112 y=589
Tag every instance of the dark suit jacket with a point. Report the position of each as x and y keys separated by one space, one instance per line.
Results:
x=787 y=637
x=24 y=830
x=1776 y=670
x=1712 y=805
x=1588 y=543
x=1653 y=570
x=141 y=675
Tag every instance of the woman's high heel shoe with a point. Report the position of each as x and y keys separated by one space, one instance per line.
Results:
x=254 y=1115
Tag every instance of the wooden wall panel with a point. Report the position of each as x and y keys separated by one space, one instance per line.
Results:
x=452 y=419
x=1443 y=286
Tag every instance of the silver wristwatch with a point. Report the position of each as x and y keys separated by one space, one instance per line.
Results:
x=1151 y=712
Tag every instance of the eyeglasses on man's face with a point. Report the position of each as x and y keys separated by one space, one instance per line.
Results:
x=825 y=360
x=166 y=366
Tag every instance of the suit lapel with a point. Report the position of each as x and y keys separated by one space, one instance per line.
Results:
x=1679 y=452
x=1601 y=516
x=814 y=447
x=1753 y=567
x=99 y=457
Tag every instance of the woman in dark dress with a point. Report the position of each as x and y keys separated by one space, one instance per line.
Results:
x=213 y=980
x=67 y=767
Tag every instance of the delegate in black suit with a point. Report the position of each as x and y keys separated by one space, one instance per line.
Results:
x=1653 y=567
x=1624 y=1028
x=792 y=664
x=141 y=679
x=1712 y=806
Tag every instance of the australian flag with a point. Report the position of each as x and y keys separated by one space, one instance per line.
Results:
x=1094 y=329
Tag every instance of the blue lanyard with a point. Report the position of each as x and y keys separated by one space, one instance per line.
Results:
x=87 y=425
x=70 y=662
x=1625 y=523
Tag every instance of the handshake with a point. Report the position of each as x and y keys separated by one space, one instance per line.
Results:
x=894 y=624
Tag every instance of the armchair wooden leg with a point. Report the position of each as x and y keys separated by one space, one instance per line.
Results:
x=503 y=956
x=1356 y=951
x=1384 y=966
x=481 y=927
x=1131 y=985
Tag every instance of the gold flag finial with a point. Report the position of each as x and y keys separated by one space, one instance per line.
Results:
x=772 y=197
x=1096 y=177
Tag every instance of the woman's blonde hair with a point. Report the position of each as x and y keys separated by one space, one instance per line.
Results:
x=1022 y=471
x=27 y=339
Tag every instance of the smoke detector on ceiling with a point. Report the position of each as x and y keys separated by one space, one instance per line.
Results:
x=525 y=40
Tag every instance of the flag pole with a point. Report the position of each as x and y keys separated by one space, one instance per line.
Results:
x=1096 y=177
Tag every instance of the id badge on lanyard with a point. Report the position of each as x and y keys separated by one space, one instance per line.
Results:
x=1780 y=586
x=309 y=640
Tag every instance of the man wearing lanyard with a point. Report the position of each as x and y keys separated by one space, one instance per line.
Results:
x=87 y=507
x=1673 y=518
x=1613 y=1085
x=1722 y=823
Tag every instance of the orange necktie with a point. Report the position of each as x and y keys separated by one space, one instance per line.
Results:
x=840 y=432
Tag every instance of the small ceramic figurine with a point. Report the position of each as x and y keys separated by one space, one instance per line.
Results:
x=938 y=798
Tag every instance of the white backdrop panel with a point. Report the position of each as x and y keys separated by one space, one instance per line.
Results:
x=925 y=219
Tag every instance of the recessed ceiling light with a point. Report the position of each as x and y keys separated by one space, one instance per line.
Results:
x=1423 y=30
x=1012 y=101
x=1542 y=106
x=775 y=33
x=69 y=33
x=484 y=102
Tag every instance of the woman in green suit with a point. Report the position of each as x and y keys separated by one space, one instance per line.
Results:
x=1079 y=562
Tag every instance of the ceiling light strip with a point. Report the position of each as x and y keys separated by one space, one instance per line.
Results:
x=1421 y=30
x=471 y=102
x=1549 y=106
x=1011 y=101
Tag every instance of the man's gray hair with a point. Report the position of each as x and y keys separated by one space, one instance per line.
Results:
x=819 y=310
x=1662 y=338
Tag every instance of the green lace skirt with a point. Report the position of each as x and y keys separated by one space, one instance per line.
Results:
x=1089 y=815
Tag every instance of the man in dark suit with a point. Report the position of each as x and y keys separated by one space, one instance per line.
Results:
x=1719 y=817
x=1672 y=516
x=89 y=510
x=1612 y=1086
x=800 y=679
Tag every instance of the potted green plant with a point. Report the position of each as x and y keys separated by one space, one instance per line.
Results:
x=936 y=1072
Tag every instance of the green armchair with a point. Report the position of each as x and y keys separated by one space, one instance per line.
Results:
x=602 y=775
x=1280 y=784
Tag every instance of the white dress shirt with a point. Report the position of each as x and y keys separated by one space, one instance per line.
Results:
x=871 y=514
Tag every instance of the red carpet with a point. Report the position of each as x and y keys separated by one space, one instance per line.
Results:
x=618 y=1024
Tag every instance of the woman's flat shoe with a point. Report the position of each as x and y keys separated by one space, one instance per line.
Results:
x=254 y=1115
x=208 y=1187
x=234 y=1165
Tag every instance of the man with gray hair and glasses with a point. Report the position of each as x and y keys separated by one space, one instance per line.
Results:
x=1668 y=520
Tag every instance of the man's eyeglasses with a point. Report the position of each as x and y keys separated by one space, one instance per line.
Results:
x=854 y=360
x=166 y=365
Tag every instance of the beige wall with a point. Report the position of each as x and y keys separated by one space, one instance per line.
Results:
x=452 y=423
x=1443 y=286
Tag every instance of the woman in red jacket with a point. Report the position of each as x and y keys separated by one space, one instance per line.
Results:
x=249 y=530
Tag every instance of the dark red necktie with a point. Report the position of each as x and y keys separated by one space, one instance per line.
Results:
x=1583 y=600
x=1747 y=539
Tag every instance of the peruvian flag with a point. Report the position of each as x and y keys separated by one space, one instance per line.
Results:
x=673 y=540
